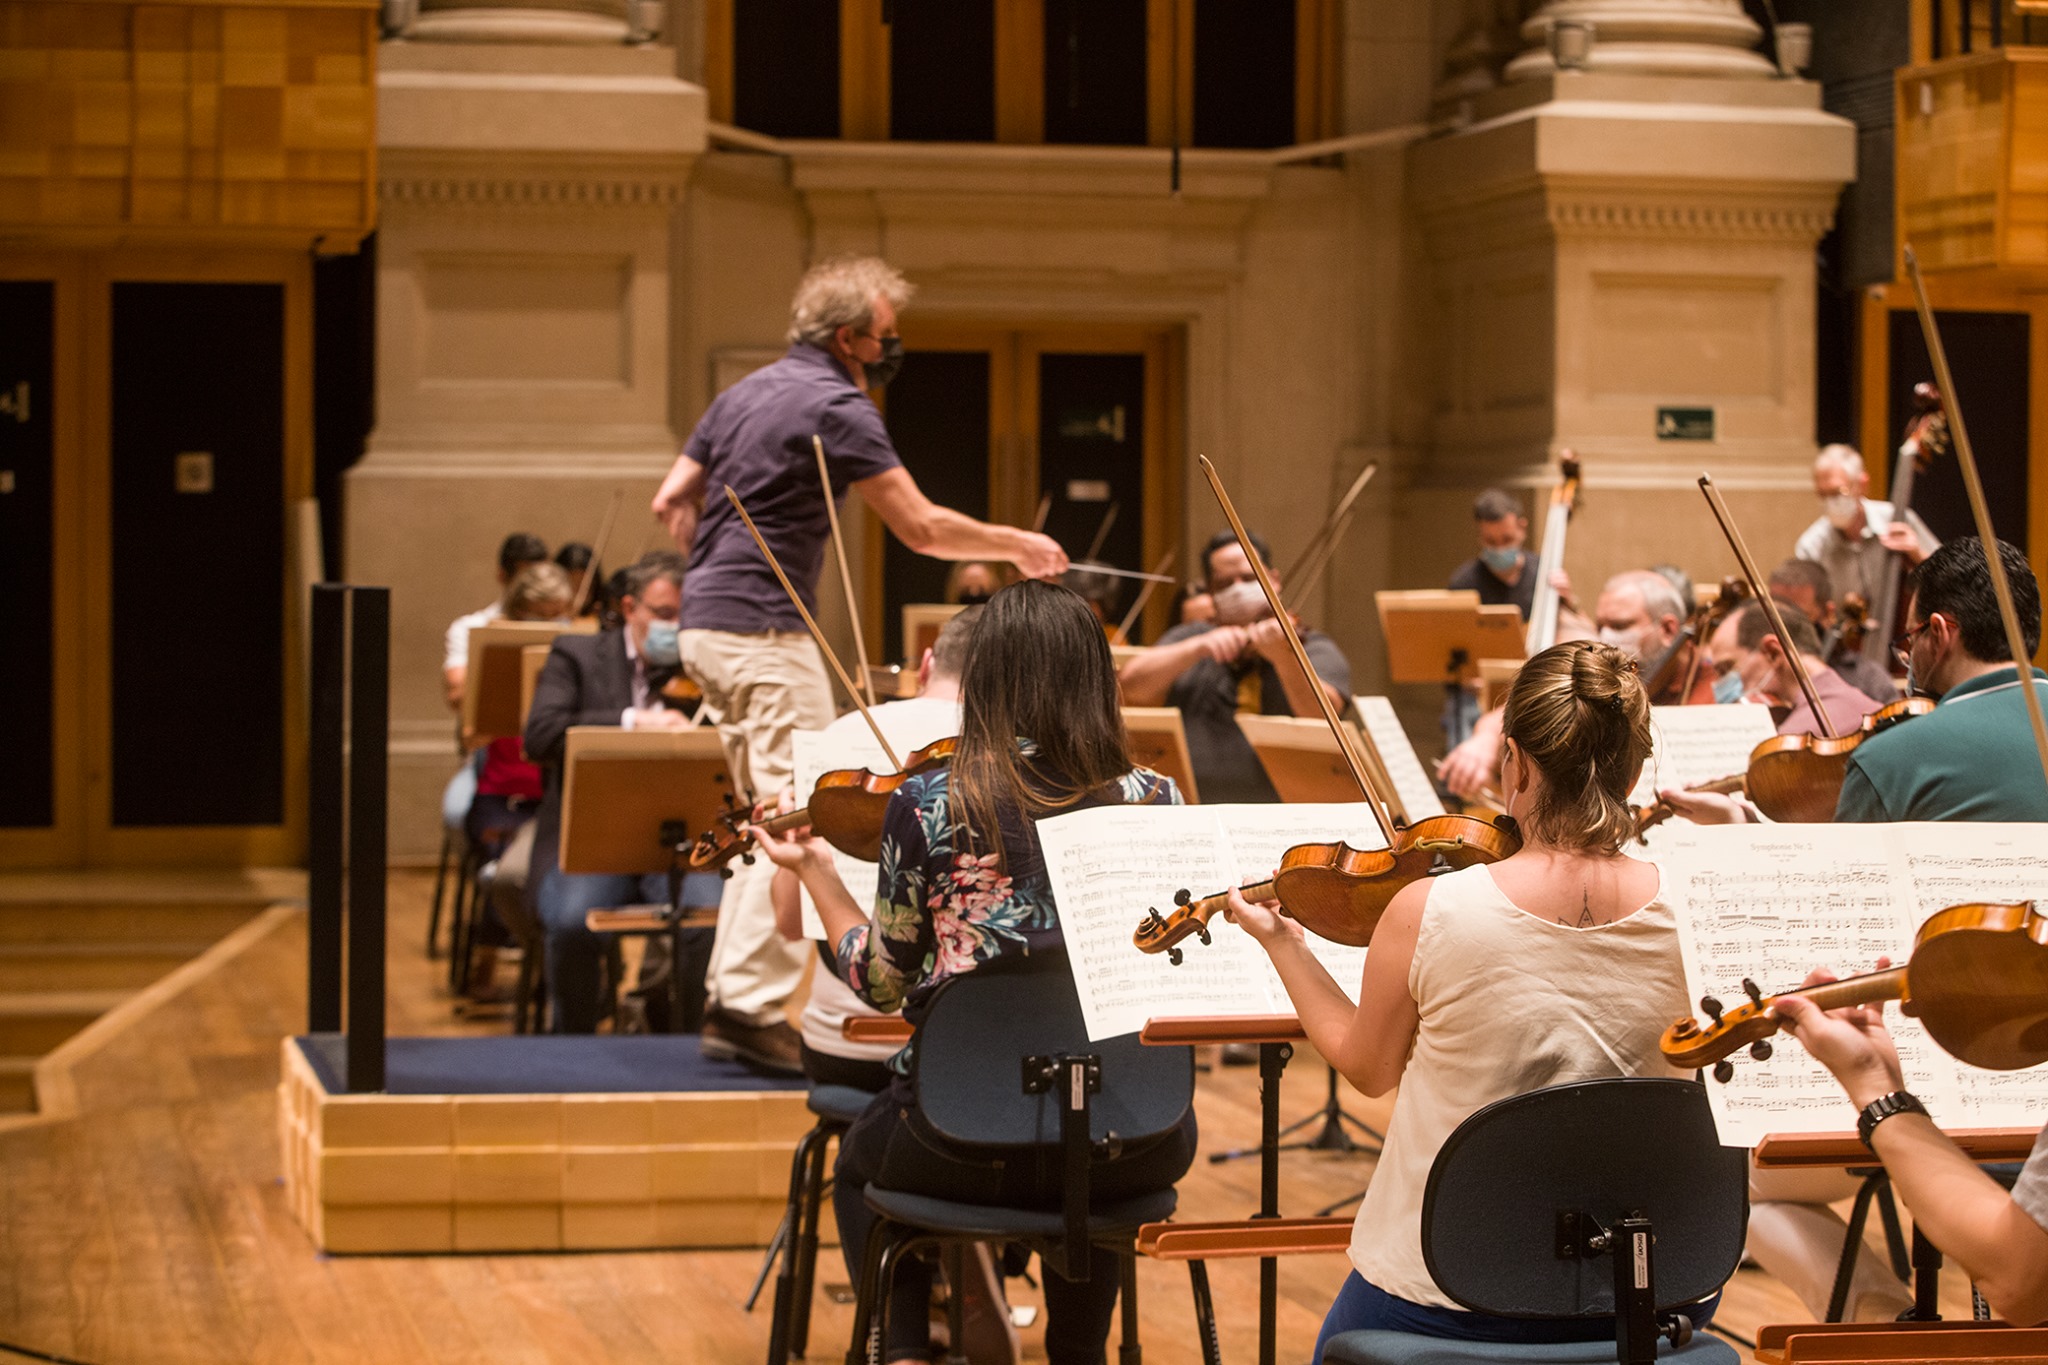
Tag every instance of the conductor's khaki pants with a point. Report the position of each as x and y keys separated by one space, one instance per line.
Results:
x=760 y=688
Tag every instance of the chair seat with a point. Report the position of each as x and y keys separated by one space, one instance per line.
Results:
x=839 y=1103
x=1408 y=1348
x=985 y=1223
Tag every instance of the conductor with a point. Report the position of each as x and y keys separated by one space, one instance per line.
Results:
x=742 y=642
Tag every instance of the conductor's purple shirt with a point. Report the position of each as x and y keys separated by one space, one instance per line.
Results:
x=756 y=437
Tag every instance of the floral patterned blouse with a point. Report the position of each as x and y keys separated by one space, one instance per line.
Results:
x=940 y=912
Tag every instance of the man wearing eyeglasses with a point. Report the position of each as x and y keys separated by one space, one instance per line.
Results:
x=742 y=641
x=1973 y=756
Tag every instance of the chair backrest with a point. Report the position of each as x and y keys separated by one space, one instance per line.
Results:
x=1608 y=1149
x=981 y=1025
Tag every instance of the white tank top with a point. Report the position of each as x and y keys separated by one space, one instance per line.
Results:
x=1509 y=1003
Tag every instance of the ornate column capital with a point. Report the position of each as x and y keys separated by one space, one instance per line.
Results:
x=1650 y=38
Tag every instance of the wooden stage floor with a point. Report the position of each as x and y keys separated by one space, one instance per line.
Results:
x=152 y=1228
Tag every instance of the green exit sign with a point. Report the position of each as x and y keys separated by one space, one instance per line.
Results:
x=1685 y=424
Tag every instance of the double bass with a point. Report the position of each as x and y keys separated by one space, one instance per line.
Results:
x=1564 y=500
x=1926 y=439
x=1335 y=890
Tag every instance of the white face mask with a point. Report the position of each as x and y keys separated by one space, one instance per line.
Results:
x=1841 y=510
x=1241 y=603
x=1631 y=643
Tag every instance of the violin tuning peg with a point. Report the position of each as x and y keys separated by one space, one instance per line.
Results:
x=1761 y=1049
x=1750 y=989
x=719 y=779
x=725 y=874
x=747 y=858
x=1173 y=955
x=1724 y=1071
x=1181 y=897
x=1711 y=1007
x=1202 y=933
x=1153 y=919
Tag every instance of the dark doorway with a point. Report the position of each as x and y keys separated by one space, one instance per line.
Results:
x=938 y=416
x=1091 y=458
x=1989 y=354
x=942 y=70
x=197 y=522
x=27 y=529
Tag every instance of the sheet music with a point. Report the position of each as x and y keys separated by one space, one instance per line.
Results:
x=1411 y=781
x=1109 y=865
x=1695 y=744
x=1772 y=902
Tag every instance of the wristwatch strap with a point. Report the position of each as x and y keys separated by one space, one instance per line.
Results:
x=1884 y=1107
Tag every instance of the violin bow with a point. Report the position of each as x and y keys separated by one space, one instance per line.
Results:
x=2015 y=643
x=1324 y=542
x=1102 y=531
x=1770 y=604
x=604 y=535
x=1315 y=681
x=1123 y=629
x=816 y=635
x=860 y=644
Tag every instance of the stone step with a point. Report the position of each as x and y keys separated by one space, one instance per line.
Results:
x=113 y=965
x=18 y=1085
x=35 y=1022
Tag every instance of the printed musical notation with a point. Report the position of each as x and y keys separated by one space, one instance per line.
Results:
x=1109 y=865
x=1698 y=744
x=1772 y=902
x=1411 y=783
x=817 y=753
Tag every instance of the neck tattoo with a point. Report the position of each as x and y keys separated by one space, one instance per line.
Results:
x=1585 y=913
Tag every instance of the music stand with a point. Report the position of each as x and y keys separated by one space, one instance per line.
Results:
x=1496 y=676
x=922 y=622
x=532 y=659
x=1119 y=655
x=1440 y=635
x=491 y=688
x=1303 y=762
x=632 y=803
x=1159 y=741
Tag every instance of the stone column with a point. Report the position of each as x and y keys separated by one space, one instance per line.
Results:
x=1649 y=38
x=1614 y=241
x=526 y=203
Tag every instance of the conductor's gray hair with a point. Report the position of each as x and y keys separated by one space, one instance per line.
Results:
x=841 y=292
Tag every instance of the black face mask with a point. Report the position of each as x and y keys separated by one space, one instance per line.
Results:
x=884 y=370
x=974 y=599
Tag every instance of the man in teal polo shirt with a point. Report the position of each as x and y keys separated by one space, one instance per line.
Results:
x=1973 y=756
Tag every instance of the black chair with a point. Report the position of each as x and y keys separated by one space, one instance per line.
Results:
x=795 y=1244
x=1603 y=1199
x=1062 y=1092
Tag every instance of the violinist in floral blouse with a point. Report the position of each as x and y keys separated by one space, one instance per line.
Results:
x=963 y=888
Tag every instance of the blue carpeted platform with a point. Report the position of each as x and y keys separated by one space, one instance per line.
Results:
x=542 y=1065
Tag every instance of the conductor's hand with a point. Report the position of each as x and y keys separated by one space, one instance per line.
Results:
x=1852 y=1043
x=1225 y=644
x=659 y=718
x=1261 y=919
x=1039 y=556
x=794 y=849
x=1707 y=808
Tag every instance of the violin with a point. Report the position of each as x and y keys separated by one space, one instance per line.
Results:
x=1977 y=981
x=1334 y=890
x=1658 y=811
x=1798 y=778
x=845 y=810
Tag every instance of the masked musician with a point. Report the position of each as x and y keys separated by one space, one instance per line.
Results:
x=1211 y=670
x=1750 y=663
x=1806 y=587
x=742 y=641
x=1856 y=536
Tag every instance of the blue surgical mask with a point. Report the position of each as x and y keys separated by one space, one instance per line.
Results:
x=1500 y=558
x=663 y=646
x=1728 y=688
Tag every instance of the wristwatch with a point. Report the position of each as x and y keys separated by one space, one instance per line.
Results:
x=1884 y=1107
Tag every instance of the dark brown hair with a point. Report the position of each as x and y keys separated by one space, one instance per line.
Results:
x=1040 y=670
x=1579 y=712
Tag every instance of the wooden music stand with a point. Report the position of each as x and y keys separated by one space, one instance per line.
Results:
x=922 y=622
x=1159 y=741
x=1440 y=635
x=1303 y=762
x=632 y=798
x=532 y=659
x=491 y=690
x=1119 y=655
x=1496 y=676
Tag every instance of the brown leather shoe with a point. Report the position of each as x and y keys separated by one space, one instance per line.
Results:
x=770 y=1047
